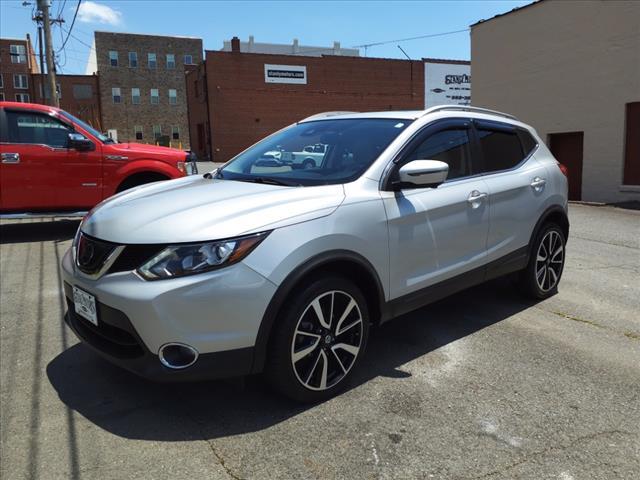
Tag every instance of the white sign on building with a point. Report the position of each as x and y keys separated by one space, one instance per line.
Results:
x=285 y=74
x=446 y=84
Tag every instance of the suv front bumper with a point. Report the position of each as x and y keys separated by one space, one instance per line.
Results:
x=217 y=313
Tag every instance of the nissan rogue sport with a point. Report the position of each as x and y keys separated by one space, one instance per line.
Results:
x=260 y=266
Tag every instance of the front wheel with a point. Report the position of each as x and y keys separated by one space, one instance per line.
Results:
x=319 y=340
x=541 y=277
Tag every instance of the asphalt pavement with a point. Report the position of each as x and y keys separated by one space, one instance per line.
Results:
x=483 y=385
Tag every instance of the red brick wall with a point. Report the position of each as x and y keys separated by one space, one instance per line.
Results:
x=8 y=68
x=243 y=108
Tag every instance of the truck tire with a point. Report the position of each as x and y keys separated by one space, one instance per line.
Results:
x=138 y=179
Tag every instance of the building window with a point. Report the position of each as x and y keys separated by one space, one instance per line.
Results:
x=171 y=61
x=133 y=59
x=20 y=81
x=188 y=59
x=173 y=96
x=138 y=132
x=155 y=96
x=18 y=53
x=113 y=58
x=157 y=132
x=44 y=92
x=1 y=81
x=22 y=97
x=152 y=61
x=135 y=96
x=175 y=133
x=1 y=96
x=632 y=145
x=115 y=94
x=82 y=91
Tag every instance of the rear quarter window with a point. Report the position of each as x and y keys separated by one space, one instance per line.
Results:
x=501 y=148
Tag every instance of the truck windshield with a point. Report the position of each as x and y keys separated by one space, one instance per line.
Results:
x=103 y=138
x=321 y=152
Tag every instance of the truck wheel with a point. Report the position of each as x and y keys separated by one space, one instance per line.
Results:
x=319 y=340
x=140 y=179
x=308 y=163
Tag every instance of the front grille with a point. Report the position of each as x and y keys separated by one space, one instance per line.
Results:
x=133 y=256
x=92 y=253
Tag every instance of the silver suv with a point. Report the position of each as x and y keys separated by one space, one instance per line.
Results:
x=262 y=266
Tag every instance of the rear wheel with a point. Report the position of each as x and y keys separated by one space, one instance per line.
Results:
x=541 y=277
x=308 y=163
x=319 y=340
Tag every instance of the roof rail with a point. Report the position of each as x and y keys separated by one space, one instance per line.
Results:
x=318 y=116
x=467 y=108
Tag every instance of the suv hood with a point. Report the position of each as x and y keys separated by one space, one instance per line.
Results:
x=194 y=209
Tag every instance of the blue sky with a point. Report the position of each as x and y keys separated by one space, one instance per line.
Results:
x=313 y=23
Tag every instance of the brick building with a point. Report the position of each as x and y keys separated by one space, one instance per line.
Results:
x=17 y=63
x=142 y=85
x=237 y=98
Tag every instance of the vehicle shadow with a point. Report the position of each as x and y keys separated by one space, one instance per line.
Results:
x=38 y=231
x=130 y=407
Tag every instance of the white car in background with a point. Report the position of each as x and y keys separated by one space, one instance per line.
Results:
x=311 y=156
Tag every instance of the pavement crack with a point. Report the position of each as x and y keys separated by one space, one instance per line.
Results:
x=631 y=335
x=552 y=448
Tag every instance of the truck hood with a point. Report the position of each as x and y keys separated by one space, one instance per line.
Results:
x=136 y=150
x=194 y=209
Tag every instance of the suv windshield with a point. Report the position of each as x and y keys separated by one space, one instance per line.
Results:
x=103 y=138
x=315 y=153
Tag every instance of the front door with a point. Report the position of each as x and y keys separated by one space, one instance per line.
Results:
x=567 y=148
x=438 y=233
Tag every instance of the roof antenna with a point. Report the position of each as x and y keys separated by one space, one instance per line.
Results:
x=405 y=53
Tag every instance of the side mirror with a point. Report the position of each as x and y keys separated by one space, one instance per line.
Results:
x=422 y=174
x=79 y=142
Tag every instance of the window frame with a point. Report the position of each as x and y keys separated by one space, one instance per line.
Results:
x=152 y=96
x=401 y=158
x=21 y=75
x=1 y=96
x=184 y=59
x=155 y=60
x=175 y=130
x=115 y=58
x=140 y=131
x=1 y=81
x=139 y=97
x=157 y=136
x=175 y=98
x=17 y=55
x=70 y=127
x=173 y=67
x=22 y=94
x=113 y=96
x=508 y=127
x=129 y=56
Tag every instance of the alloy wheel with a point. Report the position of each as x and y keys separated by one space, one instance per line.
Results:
x=549 y=260
x=327 y=340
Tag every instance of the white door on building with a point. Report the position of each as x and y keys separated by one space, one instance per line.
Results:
x=112 y=133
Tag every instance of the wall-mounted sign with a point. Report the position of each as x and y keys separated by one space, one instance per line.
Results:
x=285 y=74
x=446 y=84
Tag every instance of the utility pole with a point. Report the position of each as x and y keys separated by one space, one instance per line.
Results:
x=41 y=53
x=43 y=6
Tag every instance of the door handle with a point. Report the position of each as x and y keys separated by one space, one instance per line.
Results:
x=10 y=158
x=475 y=198
x=537 y=183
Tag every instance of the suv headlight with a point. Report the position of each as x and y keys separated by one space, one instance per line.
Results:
x=180 y=260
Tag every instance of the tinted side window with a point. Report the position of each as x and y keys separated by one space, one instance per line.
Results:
x=29 y=127
x=528 y=142
x=449 y=146
x=501 y=149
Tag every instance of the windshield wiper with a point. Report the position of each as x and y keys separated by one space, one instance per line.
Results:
x=270 y=181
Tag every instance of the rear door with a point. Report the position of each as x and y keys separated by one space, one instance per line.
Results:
x=516 y=183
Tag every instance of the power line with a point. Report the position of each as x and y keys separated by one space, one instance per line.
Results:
x=71 y=27
x=375 y=44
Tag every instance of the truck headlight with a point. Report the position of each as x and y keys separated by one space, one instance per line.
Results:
x=189 y=259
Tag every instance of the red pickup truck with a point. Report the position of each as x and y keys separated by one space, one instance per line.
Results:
x=55 y=162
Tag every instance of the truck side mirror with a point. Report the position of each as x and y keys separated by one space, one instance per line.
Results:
x=79 y=142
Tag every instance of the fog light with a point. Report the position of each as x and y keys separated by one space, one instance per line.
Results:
x=177 y=355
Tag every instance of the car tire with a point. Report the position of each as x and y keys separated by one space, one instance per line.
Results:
x=541 y=277
x=319 y=340
x=308 y=163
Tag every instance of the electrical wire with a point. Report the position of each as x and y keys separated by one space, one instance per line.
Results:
x=70 y=28
x=375 y=44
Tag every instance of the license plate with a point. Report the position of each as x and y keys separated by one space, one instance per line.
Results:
x=85 y=305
